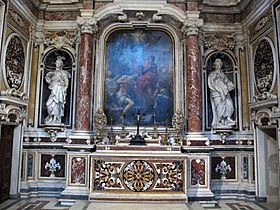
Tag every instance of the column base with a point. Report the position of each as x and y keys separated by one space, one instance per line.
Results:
x=200 y=194
x=80 y=137
x=196 y=139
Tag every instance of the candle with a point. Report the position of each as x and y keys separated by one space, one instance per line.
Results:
x=154 y=118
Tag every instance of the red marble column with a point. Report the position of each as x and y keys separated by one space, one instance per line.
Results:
x=193 y=85
x=193 y=81
x=84 y=83
x=83 y=103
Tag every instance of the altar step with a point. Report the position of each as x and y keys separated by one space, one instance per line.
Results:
x=133 y=148
x=136 y=197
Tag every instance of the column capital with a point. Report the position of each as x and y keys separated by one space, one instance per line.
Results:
x=192 y=23
x=87 y=22
x=190 y=26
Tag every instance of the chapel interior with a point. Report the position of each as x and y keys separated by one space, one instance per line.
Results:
x=152 y=100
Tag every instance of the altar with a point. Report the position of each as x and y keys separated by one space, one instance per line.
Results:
x=134 y=173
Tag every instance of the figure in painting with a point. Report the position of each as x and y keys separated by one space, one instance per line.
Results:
x=163 y=105
x=222 y=104
x=58 y=83
x=124 y=100
x=146 y=83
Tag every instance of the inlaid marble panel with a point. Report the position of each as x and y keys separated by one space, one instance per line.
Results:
x=198 y=172
x=264 y=67
x=14 y=62
x=61 y=16
x=78 y=167
x=223 y=168
x=48 y=165
x=17 y=19
x=138 y=175
x=30 y=160
x=262 y=22
x=245 y=168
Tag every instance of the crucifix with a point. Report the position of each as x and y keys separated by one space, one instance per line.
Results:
x=138 y=118
x=138 y=139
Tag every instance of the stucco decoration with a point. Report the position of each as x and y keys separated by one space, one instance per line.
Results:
x=264 y=67
x=14 y=62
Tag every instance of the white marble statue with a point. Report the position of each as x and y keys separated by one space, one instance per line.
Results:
x=58 y=83
x=222 y=105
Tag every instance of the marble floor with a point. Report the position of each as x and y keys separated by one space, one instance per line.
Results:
x=52 y=203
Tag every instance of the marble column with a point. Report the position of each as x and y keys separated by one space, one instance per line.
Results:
x=193 y=81
x=83 y=103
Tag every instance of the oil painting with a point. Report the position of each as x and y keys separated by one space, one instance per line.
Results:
x=139 y=77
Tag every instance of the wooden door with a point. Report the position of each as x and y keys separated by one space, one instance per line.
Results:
x=6 y=150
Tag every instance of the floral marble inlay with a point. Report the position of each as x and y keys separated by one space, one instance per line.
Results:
x=138 y=176
x=14 y=64
x=223 y=168
x=106 y=175
x=52 y=166
x=170 y=175
x=264 y=66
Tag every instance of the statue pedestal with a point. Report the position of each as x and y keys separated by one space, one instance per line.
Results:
x=53 y=129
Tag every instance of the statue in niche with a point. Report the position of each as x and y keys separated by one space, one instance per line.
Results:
x=222 y=104
x=58 y=81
